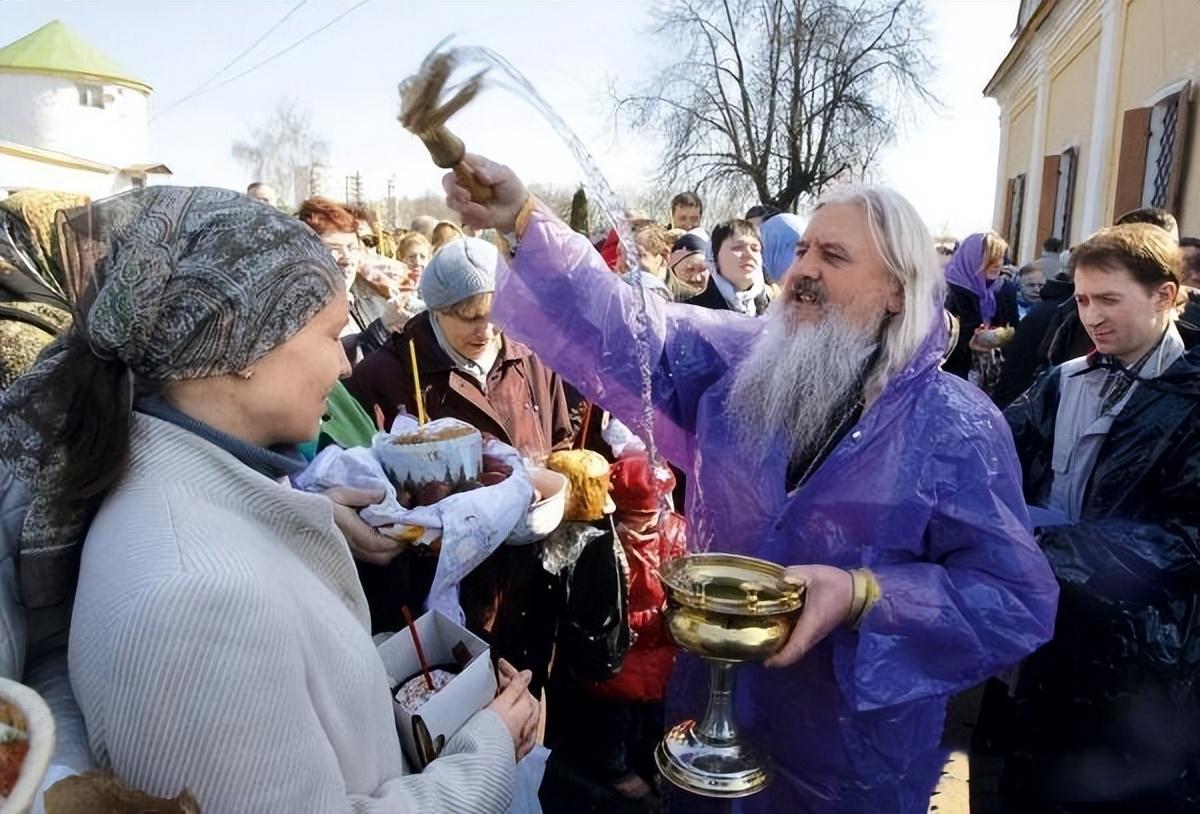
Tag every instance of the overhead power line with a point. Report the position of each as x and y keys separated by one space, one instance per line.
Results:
x=199 y=88
x=295 y=44
x=272 y=57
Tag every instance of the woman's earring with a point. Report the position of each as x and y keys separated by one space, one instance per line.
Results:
x=246 y=375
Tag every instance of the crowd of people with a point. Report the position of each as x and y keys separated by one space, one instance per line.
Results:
x=985 y=474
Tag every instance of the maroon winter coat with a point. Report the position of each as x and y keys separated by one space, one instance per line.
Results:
x=524 y=406
x=507 y=596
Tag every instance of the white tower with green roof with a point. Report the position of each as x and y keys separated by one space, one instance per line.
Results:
x=71 y=119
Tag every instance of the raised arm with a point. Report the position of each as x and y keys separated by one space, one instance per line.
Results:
x=560 y=298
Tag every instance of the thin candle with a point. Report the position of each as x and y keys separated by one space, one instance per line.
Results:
x=422 y=417
x=412 y=629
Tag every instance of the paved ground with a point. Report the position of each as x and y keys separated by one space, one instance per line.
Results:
x=969 y=782
x=965 y=777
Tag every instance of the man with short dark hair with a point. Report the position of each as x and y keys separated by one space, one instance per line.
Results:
x=1191 y=260
x=1025 y=355
x=1050 y=263
x=686 y=211
x=1153 y=216
x=1065 y=338
x=760 y=213
x=1108 y=711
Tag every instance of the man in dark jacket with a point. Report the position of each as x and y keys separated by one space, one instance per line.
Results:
x=1109 y=711
x=1022 y=360
x=1065 y=337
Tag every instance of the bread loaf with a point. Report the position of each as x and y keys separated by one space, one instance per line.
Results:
x=587 y=488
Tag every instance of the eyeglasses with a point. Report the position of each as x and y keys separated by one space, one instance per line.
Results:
x=342 y=249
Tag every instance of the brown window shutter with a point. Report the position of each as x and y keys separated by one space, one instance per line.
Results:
x=1019 y=215
x=1008 y=206
x=1131 y=166
x=1048 y=199
x=1179 y=156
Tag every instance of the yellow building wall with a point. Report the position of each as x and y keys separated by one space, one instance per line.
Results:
x=1016 y=156
x=1020 y=137
x=1069 y=118
x=1161 y=46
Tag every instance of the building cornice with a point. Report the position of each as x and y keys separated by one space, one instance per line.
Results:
x=55 y=157
x=76 y=76
x=1056 y=27
x=1019 y=46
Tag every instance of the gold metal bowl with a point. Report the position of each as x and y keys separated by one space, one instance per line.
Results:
x=730 y=607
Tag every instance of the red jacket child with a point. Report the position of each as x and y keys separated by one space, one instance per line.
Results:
x=650 y=536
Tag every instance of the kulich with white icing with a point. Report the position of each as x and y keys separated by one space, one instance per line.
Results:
x=416 y=692
x=443 y=451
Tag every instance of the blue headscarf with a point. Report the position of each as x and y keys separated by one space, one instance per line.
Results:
x=965 y=270
x=780 y=234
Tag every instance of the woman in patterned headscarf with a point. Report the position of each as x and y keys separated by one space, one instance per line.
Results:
x=219 y=640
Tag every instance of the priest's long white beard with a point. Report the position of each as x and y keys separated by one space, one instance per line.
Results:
x=789 y=387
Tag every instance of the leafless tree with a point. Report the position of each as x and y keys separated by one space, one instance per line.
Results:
x=775 y=99
x=429 y=203
x=281 y=146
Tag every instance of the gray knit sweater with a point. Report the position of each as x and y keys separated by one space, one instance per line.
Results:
x=220 y=642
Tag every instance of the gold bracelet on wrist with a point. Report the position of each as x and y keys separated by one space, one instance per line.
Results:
x=866 y=593
x=524 y=215
x=857 y=597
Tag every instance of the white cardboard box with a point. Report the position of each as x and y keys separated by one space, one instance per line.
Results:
x=446 y=711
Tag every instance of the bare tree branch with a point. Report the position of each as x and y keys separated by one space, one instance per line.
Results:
x=280 y=147
x=781 y=98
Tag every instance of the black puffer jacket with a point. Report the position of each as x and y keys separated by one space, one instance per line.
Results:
x=1110 y=708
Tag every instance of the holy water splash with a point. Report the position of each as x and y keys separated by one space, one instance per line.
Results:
x=613 y=209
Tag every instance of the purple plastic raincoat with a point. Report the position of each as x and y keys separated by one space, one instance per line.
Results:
x=925 y=491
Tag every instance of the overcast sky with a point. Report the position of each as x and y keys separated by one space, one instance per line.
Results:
x=346 y=77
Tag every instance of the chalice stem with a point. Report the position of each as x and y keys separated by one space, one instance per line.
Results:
x=718 y=725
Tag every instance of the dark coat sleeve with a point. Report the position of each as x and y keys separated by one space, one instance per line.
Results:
x=1146 y=551
x=1031 y=418
x=964 y=305
x=380 y=379
x=1007 y=313
x=1021 y=360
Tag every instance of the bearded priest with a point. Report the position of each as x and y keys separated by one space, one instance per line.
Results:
x=825 y=437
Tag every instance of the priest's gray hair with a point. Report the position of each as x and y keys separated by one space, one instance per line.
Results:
x=907 y=249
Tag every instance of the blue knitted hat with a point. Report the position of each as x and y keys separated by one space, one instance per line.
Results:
x=457 y=271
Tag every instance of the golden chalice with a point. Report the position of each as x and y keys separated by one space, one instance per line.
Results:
x=726 y=609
